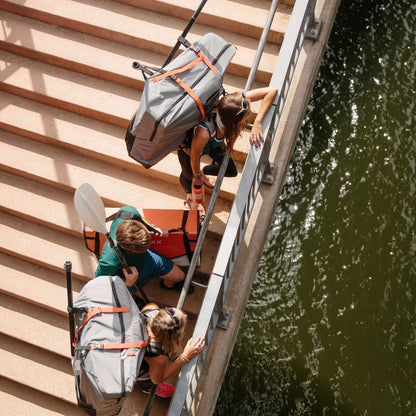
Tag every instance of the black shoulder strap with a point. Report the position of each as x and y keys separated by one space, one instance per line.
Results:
x=209 y=123
x=185 y=236
x=126 y=215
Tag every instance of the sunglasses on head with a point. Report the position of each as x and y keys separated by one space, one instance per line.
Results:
x=171 y=313
x=244 y=103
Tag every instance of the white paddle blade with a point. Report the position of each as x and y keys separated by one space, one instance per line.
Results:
x=90 y=207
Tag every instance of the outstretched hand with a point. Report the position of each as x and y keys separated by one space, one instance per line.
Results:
x=161 y=231
x=193 y=348
x=256 y=135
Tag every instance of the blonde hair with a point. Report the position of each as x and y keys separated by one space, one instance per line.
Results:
x=133 y=235
x=167 y=332
x=230 y=109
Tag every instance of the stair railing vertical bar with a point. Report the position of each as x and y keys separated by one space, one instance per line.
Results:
x=262 y=44
x=242 y=208
x=204 y=229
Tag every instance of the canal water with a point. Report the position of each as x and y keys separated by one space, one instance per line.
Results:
x=330 y=328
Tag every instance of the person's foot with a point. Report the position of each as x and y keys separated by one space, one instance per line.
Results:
x=209 y=181
x=194 y=206
x=177 y=286
x=163 y=390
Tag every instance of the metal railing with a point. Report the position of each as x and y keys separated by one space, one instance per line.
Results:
x=212 y=311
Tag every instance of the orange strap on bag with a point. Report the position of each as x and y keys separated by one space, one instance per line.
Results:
x=187 y=88
x=191 y=92
x=95 y=312
x=123 y=346
x=201 y=58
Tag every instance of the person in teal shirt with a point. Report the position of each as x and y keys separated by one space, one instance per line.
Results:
x=133 y=240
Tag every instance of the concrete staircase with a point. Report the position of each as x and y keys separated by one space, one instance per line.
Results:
x=68 y=90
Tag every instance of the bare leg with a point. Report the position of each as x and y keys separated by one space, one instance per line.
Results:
x=174 y=276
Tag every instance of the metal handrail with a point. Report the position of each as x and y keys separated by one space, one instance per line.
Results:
x=239 y=217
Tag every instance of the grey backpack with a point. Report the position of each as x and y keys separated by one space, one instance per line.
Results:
x=177 y=97
x=109 y=341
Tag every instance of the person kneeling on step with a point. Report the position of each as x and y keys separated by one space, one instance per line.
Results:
x=163 y=358
x=214 y=135
x=133 y=240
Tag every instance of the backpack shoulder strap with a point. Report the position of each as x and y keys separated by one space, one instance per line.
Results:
x=126 y=215
x=209 y=123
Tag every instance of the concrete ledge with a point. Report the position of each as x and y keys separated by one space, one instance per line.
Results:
x=264 y=208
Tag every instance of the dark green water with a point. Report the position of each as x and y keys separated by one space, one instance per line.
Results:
x=330 y=328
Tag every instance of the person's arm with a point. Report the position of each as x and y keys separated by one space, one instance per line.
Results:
x=198 y=143
x=160 y=369
x=108 y=264
x=267 y=95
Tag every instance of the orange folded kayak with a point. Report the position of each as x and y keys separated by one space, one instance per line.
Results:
x=183 y=226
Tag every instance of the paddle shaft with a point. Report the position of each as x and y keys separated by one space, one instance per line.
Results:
x=68 y=269
x=184 y=33
x=120 y=256
x=124 y=264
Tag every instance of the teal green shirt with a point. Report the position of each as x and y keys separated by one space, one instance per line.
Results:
x=109 y=264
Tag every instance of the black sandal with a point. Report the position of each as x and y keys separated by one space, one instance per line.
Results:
x=177 y=286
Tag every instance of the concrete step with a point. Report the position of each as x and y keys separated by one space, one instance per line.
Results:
x=45 y=247
x=35 y=325
x=50 y=249
x=68 y=90
x=96 y=57
x=94 y=138
x=288 y=2
x=36 y=285
x=53 y=208
x=17 y=399
x=39 y=203
x=117 y=187
x=41 y=292
x=37 y=369
x=132 y=26
x=245 y=18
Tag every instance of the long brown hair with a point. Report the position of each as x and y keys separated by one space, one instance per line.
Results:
x=169 y=330
x=232 y=108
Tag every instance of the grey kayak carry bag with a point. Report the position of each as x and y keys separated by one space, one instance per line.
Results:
x=177 y=97
x=109 y=343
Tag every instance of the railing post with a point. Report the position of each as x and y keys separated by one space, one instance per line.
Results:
x=314 y=24
x=270 y=168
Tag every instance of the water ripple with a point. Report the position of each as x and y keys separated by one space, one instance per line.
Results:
x=331 y=324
